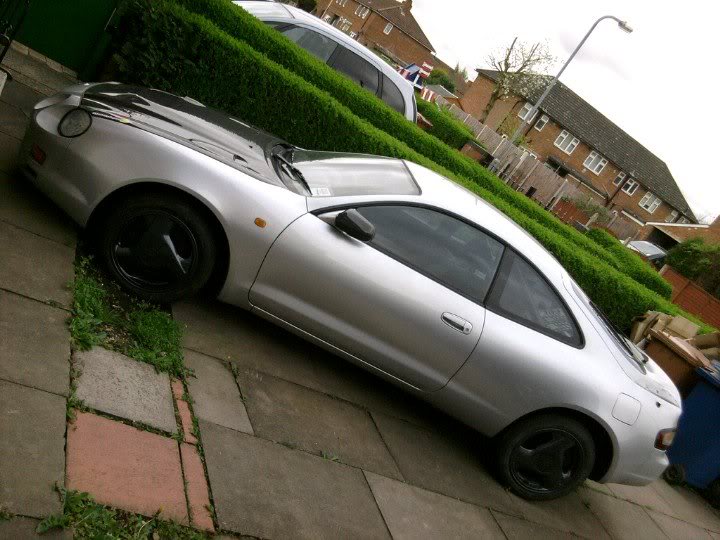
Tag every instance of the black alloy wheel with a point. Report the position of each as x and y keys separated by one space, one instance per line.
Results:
x=158 y=247
x=545 y=457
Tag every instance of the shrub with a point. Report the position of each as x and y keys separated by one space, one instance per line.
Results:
x=699 y=262
x=631 y=263
x=438 y=76
x=241 y=25
x=163 y=45
x=445 y=127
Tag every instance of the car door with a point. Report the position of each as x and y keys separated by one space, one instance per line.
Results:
x=408 y=302
x=356 y=68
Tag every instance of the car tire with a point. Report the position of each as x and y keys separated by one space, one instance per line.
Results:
x=674 y=474
x=158 y=246
x=545 y=457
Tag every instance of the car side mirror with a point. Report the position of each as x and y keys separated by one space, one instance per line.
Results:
x=352 y=223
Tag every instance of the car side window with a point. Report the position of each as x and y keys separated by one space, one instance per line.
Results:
x=357 y=69
x=392 y=96
x=522 y=294
x=444 y=248
x=316 y=44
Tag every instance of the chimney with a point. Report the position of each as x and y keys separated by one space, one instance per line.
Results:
x=407 y=5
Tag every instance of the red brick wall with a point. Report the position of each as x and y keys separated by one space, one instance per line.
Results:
x=692 y=298
x=370 y=32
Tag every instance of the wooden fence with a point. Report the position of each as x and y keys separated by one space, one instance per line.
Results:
x=527 y=175
x=691 y=297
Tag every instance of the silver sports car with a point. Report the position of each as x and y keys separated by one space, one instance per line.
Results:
x=381 y=261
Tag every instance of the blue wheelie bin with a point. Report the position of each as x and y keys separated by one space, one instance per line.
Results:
x=695 y=452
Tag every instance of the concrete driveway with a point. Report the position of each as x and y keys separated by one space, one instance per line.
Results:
x=297 y=443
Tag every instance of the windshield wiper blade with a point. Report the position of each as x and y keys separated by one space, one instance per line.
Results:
x=292 y=170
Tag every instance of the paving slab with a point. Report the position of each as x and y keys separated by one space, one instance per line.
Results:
x=215 y=394
x=21 y=528
x=230 y=333
x=32 y=450
x=21 y=96
x=292 y=414
x=35 y=347
x=111 y=382
x=37 y=70
x=34 y=266
x=688 y=505
x=622 y=519
x=264 y=489
x=516 y=528
x=21 y=204
x=567 y=513
x=13 y=121
x=678 y=530
x=125 y=467
x=602 y=488
x=196 y=487
x=443 y=463
x=645 y=496
x=414 y=513
x=9 y=148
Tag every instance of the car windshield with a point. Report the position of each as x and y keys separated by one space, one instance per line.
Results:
x=330 y=174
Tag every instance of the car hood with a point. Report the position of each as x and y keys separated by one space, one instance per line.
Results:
x=189 y=122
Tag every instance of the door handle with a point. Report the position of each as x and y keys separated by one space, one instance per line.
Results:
x=457 y=323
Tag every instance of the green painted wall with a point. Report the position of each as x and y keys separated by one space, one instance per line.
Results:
x=67 y=31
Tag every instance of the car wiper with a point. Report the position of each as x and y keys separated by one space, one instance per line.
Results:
x=290 y=169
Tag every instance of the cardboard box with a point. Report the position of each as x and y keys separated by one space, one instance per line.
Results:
x=678 y=358
x=707 y=341
x=681 y=327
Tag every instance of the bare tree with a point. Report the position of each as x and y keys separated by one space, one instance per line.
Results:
x=521 y=70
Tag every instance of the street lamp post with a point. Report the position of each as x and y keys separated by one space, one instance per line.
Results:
x=623 y=25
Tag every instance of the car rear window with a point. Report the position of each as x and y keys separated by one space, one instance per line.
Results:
x=523 y=295
x=392 y=96
x=336 y=175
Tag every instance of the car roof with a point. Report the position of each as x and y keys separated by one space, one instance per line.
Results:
x=647 y=248
x=273 y=11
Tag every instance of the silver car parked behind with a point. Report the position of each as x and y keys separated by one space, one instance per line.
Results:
x=339 y=51
x=379 y=260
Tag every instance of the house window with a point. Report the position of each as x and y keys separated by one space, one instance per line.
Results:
x=672 y=216
x=595 y=162
x=540 y=124
x=619 y=178
x=362 y=11
x=328 y=18
x=684 y=220
x=525 y=112
x=341 y=2
x=566 y=142
x=388 y=28
x=650 y=202
x=346 y=26
x=353 y=35
x=630 y=186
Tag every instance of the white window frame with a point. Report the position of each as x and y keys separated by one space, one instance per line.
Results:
x=525 y=110
x=565 y=136
x=619 y=178
x=672 y=216
x=346 y=26
x=353 y=35
x=595 y=162
x=327 y=18
x=388 y=28
x=683 y=220
x=343 y=3
x=542 y=122
x=362 y=11
x=630 y=186
x=650 y=202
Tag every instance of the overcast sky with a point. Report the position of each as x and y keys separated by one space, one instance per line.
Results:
x=659 y=83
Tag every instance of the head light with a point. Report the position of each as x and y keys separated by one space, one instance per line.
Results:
x=75 y=123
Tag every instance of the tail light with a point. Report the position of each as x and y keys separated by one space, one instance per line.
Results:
x=38 y=154
x=665 y=438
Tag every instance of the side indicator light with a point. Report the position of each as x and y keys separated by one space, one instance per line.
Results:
x=38 y=154
x=664 y=439
x=260 y=222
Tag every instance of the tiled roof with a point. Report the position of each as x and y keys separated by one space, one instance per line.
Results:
x=398 y=13
x=681 y=233
x=597 y=131
x=441 y=90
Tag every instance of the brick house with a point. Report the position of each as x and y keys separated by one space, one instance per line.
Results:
x=577 y=141
x=386 y=26
x=668 y=235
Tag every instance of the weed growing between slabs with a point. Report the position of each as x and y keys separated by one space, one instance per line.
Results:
x=105 y=315
x=91 y=520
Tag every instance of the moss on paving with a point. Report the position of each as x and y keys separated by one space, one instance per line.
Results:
x=104 y=315
x=90 y=520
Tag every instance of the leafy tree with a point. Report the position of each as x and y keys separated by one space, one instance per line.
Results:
x=521 y=70
x=699 y=262
x=438 y=76
x=460 y=72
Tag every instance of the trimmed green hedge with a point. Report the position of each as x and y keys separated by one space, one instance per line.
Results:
x=245 y=27
x=445 y=126
x=161 y=44
x=631 y=263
